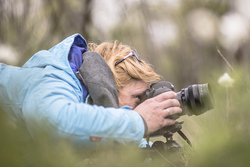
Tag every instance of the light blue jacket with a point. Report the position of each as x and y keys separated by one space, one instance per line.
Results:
x=45 y=93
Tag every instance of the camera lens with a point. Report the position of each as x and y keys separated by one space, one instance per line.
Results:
x=196 y=99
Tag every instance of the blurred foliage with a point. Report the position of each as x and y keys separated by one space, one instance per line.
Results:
x=30 y=25
x=222 y=136
x=180 y=38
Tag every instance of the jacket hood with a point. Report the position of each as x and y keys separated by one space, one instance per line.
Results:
x=58 y=56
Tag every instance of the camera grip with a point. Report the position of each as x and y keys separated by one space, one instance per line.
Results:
x=174 y=117
x=159 y=88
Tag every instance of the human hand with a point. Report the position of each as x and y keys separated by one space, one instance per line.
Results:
x=156 y=109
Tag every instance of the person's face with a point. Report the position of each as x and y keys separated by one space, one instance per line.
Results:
x=129 y=94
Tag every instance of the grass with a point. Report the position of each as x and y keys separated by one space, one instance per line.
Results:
x=220 y=137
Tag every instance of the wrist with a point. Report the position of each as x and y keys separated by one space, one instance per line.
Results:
x=145 y=126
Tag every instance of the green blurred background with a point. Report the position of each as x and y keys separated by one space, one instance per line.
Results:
x=186 y=41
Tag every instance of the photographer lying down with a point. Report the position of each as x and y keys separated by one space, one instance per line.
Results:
x=88 y=93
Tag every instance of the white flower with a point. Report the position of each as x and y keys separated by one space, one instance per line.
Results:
x=226 y=80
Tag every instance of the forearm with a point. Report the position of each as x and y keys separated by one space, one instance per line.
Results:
x=81 y=121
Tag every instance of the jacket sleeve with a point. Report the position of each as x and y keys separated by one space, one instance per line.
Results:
x=54 y=104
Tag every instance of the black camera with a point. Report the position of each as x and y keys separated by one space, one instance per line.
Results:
x=194 y=100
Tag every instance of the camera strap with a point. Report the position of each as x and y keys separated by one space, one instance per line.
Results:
x=184 y=137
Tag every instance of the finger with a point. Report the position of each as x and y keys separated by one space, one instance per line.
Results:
x=169 y=103
x=172 y=111
x=167 y=112
x=168 y=122
x=165 y=96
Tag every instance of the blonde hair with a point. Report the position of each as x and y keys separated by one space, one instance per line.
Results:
x=128 y=69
